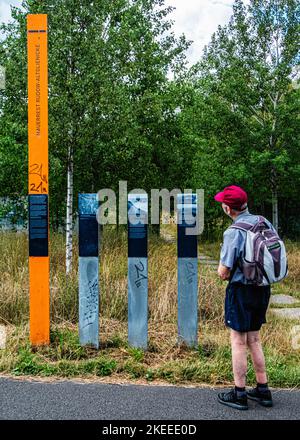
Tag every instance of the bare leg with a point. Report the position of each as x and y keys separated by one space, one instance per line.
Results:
x=239 y=357
x=257 y=355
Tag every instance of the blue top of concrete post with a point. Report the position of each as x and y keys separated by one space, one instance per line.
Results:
x=186 y=218
x=87 y=204
x=137 y=225
x=88 y=225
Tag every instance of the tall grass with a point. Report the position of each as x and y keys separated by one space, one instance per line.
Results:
x=164 y=359
x=113 y=280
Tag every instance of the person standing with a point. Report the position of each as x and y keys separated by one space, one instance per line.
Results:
x=245 y=305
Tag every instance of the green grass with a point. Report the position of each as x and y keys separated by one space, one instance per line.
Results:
x=209 y=363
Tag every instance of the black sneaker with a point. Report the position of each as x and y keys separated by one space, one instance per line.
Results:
x=264 y=398
x=230 y=399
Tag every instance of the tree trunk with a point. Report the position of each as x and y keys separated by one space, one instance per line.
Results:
x=69 y=217
x=275 y=209
x=274 y=188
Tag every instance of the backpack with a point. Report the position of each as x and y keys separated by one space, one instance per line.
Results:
x=264 y=259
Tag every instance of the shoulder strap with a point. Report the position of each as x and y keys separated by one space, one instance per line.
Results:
x=261 y=224
x=243 y=226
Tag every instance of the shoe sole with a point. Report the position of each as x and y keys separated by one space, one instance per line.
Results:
x=233 y=405
x=265 y=403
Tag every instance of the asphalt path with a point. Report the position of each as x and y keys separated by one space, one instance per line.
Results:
x=72 y=400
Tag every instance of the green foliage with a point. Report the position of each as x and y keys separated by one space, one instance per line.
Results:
x=246 y=114
x=150 y=375
x=30 y=362
x=136 y=353
x=232 y=118
x=134 y=369
x=105 y=367
x=14 y=211
x=110 y=101
x=26 y=363
x=65 y=345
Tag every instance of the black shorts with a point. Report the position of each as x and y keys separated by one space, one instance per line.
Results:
x=246 y=306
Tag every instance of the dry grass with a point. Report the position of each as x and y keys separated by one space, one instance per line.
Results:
x=291 y=285
x=165 y=360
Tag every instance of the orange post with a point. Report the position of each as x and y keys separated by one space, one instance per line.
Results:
x=38 y=179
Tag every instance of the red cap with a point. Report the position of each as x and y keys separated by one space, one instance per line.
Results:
x=233 y=196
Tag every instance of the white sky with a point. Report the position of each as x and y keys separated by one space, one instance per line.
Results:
x=197 y=19
x=5 y=8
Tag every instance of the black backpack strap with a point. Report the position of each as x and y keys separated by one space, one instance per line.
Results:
x=242 y=226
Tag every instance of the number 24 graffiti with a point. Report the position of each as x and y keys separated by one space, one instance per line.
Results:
x=139 y=273
x=37 y=169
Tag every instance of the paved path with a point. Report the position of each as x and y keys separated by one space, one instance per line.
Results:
x=70 y=400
